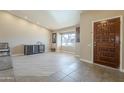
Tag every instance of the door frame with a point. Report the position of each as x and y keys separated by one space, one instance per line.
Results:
x=121 y=39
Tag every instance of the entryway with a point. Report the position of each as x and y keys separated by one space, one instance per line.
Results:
x=107 y=42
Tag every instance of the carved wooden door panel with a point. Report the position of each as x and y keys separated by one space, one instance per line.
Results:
x=107 y=42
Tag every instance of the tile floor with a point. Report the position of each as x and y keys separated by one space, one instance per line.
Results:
x=57 y=67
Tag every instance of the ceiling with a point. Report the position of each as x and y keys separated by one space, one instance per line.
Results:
x=50 y=19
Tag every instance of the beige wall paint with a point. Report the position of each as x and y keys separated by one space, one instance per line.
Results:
x=58 y=42
x=77 y=49
x=18 y=32
x=86 y=30
x=77 y=46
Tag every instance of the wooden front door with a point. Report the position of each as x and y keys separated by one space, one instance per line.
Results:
x=107 y=42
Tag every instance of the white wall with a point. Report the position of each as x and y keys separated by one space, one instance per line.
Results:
x=77 y=49
x=18 y=32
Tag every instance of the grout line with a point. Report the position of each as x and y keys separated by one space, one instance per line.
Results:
x=67 y=76
x=63 y=78
x=74 y=79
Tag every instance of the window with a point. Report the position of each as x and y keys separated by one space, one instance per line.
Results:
x=68 y=39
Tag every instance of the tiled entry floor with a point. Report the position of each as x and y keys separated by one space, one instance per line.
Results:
x=57 y=67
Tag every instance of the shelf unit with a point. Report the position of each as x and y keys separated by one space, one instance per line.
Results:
x=33 y=49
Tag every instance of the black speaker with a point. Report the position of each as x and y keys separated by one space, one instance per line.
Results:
x=33 y=49
x=41 y=48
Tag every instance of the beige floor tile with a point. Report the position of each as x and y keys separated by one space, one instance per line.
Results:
x=58 y=76
x=56 y=67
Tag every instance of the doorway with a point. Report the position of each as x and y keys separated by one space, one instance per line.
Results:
x=106 y=42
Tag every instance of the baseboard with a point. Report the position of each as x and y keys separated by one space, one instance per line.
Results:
x=86 y=61
x=17 y=55
x=122 y=70
x=83 y=60
x=106 y=67
x=68 y=52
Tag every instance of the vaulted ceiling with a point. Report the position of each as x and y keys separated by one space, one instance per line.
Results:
x=51 y=19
